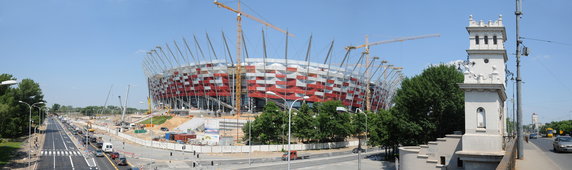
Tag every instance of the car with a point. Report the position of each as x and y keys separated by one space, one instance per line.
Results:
x=99 y=145
x=121 y=161
x=74 y=132
x=164 y=129
x=533 y=136
x=99 y=153
x=114 y=155
x=562 y=144
x=356 y=150
x=134 y=168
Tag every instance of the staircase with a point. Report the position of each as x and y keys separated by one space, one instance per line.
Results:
x=438 y=154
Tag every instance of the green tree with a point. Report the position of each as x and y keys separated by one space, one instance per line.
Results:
x=55 y=108
x=304 y=124
x=14 y=116
x=267 y=127
x=332 y=126
x=432 y=101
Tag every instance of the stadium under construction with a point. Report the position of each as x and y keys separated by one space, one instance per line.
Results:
x=181 y=82
x=181 y=77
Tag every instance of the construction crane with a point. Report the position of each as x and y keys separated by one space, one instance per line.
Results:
x=366 y=52
x=391 y=41
x=238 y=69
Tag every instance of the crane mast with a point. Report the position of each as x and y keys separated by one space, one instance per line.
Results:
x=238 y=69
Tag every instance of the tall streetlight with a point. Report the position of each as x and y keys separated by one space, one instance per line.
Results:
x=29 y=130
x=289 y=121
x=284 y=106
x=39 y=116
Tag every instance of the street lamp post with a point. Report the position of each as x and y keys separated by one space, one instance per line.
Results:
x=284 y=106
x=289 y=125
x=289 y=121
x=29 y=130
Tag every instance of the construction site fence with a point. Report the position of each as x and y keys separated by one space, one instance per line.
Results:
x=225 y=149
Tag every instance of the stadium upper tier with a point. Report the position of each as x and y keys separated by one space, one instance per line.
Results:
x=191 y=84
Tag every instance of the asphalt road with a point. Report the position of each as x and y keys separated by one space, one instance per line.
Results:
x=562 y=160
x=60 y=152
x=102 y=163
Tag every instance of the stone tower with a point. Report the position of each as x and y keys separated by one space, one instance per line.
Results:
x=484 y=87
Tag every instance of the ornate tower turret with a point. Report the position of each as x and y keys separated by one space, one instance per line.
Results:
x=482 y=144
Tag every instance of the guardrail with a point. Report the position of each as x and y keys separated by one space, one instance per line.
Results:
x=509 y=159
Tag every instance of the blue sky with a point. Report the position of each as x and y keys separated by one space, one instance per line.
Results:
x=77 y=49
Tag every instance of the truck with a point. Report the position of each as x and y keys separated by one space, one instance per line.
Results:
x=107 y=147
x=293 y=156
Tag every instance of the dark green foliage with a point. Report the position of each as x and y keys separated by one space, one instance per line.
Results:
x=304 y=124
x=432 y=102
x=14 y=116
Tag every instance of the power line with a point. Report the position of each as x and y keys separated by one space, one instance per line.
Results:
x=548 y=41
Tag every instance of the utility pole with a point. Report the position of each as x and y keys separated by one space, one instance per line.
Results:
x=519 y=141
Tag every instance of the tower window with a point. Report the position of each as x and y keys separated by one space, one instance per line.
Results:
x=481 y=118
x=495 y=40
x=486 y=39
x=476 y=39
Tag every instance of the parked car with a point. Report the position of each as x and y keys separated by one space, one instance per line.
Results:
x=533 y=136
x=121 y=161
x=562 y=144
x=74 y=132
x=358 y=149
x=164 y=129
x=99 y=153
x=114 y=155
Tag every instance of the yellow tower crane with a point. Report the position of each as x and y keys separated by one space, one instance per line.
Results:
x=238 y=69
x=367 y=45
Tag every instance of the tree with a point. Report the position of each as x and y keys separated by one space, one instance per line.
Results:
x=55 y=108
x=267 y=127
x=14 y=116
x=358 y=123
x=332 y=126
x=432 y=101
x=304 y=124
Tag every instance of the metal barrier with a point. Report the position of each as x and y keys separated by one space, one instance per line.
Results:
x=509 y=159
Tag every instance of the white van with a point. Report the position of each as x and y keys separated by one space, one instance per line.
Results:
x=107 y=147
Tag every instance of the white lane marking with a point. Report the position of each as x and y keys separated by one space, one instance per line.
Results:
x=95 y=164
x=71 y=161
x=53 y=147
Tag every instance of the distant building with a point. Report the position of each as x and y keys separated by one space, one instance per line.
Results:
x=535 y=122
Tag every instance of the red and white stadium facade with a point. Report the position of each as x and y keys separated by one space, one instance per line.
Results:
x=210 y=85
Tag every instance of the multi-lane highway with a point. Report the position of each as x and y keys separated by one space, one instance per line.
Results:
x=61 y=152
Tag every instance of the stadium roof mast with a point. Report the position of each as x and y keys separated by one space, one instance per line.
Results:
x=367 y=58
x=239 y=13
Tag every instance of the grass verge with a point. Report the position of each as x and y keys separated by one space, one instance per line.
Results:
x=7 y=150
x=157 y=120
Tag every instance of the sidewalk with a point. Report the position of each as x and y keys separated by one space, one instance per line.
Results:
x=535 y=159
